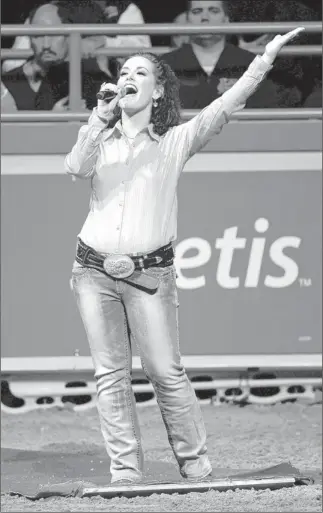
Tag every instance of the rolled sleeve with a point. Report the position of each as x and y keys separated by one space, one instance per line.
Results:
x=80 y=162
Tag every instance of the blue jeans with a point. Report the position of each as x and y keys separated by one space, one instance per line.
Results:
x=113 y=313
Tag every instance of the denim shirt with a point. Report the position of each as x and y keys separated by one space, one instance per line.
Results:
x=134 y=184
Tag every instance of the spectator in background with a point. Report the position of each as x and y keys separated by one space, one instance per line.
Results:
x=7 y=102
x=295 y=76
x=85 y=11
x=208 y=65
x=125 y=13
x=42 y=82
x=122 y=12
x=104 y=11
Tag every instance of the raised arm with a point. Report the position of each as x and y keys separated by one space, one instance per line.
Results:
x=81 y=160
x=209 y=122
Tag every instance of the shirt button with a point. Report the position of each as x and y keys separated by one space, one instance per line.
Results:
x=118 y=227
x=120 y=204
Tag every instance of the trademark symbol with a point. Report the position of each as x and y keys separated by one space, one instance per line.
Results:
x=305 y=338
x=305 y=282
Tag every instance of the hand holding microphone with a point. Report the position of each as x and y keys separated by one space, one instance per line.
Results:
x=108 y=98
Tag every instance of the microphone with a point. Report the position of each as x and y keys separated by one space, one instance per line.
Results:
x=109 y=95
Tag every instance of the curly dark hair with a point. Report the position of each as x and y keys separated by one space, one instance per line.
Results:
x=167 y=113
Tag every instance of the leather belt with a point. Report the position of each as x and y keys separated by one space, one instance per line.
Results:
x=123 y=266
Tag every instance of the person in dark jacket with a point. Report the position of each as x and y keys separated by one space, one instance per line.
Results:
x=208 y=65
x=42 y=82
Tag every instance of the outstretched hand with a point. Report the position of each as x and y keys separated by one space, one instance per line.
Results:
x=274 y=46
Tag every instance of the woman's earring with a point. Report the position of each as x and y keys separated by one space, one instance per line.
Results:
x=155 y=103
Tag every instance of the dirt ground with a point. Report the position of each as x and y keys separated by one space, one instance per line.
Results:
x=238 y=438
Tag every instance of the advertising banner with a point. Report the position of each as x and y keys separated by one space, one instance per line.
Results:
x=249 y=262
x=248 y=259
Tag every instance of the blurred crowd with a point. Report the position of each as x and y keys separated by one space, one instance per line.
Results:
x=206 y=65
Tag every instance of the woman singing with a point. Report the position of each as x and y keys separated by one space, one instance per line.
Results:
x=133 y=149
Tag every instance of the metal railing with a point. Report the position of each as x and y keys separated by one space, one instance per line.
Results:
x=294 y=50
x=247 y=114
x=159 y=29
x=75 y=32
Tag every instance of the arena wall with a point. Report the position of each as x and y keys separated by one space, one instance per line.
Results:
x=258 y=181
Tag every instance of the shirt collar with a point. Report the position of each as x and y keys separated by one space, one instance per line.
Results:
x=118 y=126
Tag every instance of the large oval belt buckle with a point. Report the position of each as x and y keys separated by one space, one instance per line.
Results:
x=119 y=266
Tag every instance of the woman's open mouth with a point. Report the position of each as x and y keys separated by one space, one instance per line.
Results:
x=131 y=90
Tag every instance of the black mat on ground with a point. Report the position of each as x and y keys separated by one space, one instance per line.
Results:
x=37 y=474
